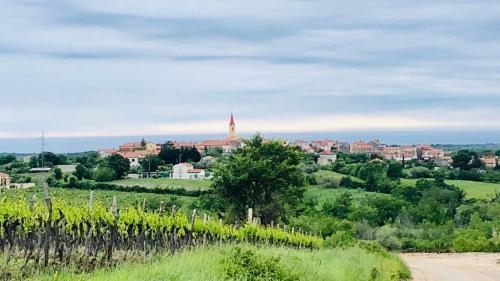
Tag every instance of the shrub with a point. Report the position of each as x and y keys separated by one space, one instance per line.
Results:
x=103 y=174
x=246 y=264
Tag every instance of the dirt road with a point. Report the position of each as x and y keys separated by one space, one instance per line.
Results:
x=454 y=267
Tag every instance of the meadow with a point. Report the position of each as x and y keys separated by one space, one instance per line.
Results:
x=232 y=262
x=472 y=189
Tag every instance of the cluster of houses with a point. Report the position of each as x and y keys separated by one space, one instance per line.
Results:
x=327 y=149
x=136 y=151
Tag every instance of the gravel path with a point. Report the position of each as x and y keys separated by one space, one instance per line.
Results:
x=454 y=267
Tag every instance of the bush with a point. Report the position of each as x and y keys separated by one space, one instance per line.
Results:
x=246 y=264
x=347 y=182
x=103 y=174
x=419 y=172
x=387 y=237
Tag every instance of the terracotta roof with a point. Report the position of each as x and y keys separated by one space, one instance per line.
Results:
x=214 y=143
x=231 y=121
x=187 y=165
x=195 y=171
x=327 y=153
x=134 y=154
x=109 y=150
x=3 y=175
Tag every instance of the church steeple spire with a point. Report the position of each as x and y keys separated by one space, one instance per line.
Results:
x=232 y=128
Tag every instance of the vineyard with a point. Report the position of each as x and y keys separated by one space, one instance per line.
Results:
x=56 y=234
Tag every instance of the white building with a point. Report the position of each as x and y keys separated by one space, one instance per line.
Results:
x=327 y=158
x=186 y=171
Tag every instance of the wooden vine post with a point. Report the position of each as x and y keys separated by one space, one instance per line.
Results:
x=114 y=229
x=250 y=216
x=88 y=242
x=48 y=223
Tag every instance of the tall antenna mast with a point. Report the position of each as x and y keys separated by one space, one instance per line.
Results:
x=43 y=149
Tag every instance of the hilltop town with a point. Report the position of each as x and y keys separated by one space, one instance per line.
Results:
x=325 y=151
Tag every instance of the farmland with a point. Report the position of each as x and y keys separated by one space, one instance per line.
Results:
x=81 y=197
x=472 y=189
x=165 y=183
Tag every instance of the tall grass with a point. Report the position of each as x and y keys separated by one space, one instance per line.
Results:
x=206 y=264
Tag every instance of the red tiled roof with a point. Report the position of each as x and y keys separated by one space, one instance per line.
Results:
x=327 y=153
x=214 y=143
x=109 y=150
x=195 y=171
x=3 y=175
x=134 y=154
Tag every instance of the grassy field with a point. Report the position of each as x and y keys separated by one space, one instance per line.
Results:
x=325 y=174
x=165 y=183
x=473 y=189
x=214 y=263
x=125 y=199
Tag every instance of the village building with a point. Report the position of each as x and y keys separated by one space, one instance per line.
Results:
x=490 y=161
x=186 y=171
x=4 y=180
x=107 y=152
x=327 y=158
x=324 y=145
x=361 y=147
x=399 y=153
x=134 y=157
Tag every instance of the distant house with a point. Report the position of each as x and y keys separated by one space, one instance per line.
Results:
x=399 y=153
x=327 y=158
x=4 y=180
x=186 y=171
x=490 y=161
x=361 y=147
x=134 y=156
x=324 y=145
x=226 y=145
x=67 y=168
x=107 y=152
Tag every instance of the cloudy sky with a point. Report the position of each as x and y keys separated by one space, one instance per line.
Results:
x=93 y=67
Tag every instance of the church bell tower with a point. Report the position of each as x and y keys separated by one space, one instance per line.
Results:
x=232 y=128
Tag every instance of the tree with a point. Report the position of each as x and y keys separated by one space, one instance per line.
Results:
x=173 y=155
x=6 y=159
x=262 y=176
x=49 y=159
x=497 y=153
x=169 y=153
x=58 y=174
x=341 y=207
x=395 y=170
x=143 y=143
x=103 y=174
x=118 y=164
x=466 y=160
x=151 y=163
x=81 y=172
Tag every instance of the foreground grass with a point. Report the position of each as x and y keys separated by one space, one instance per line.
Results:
x=472 y=189
x=165 y=183
x=212 y=264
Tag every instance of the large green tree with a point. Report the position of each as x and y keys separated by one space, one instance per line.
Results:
x=174 y=155
x=263 y=176
x=466 y=160
x=151 y=163
x=118 y=164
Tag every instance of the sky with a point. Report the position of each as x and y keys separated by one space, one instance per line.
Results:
x=111 y=68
